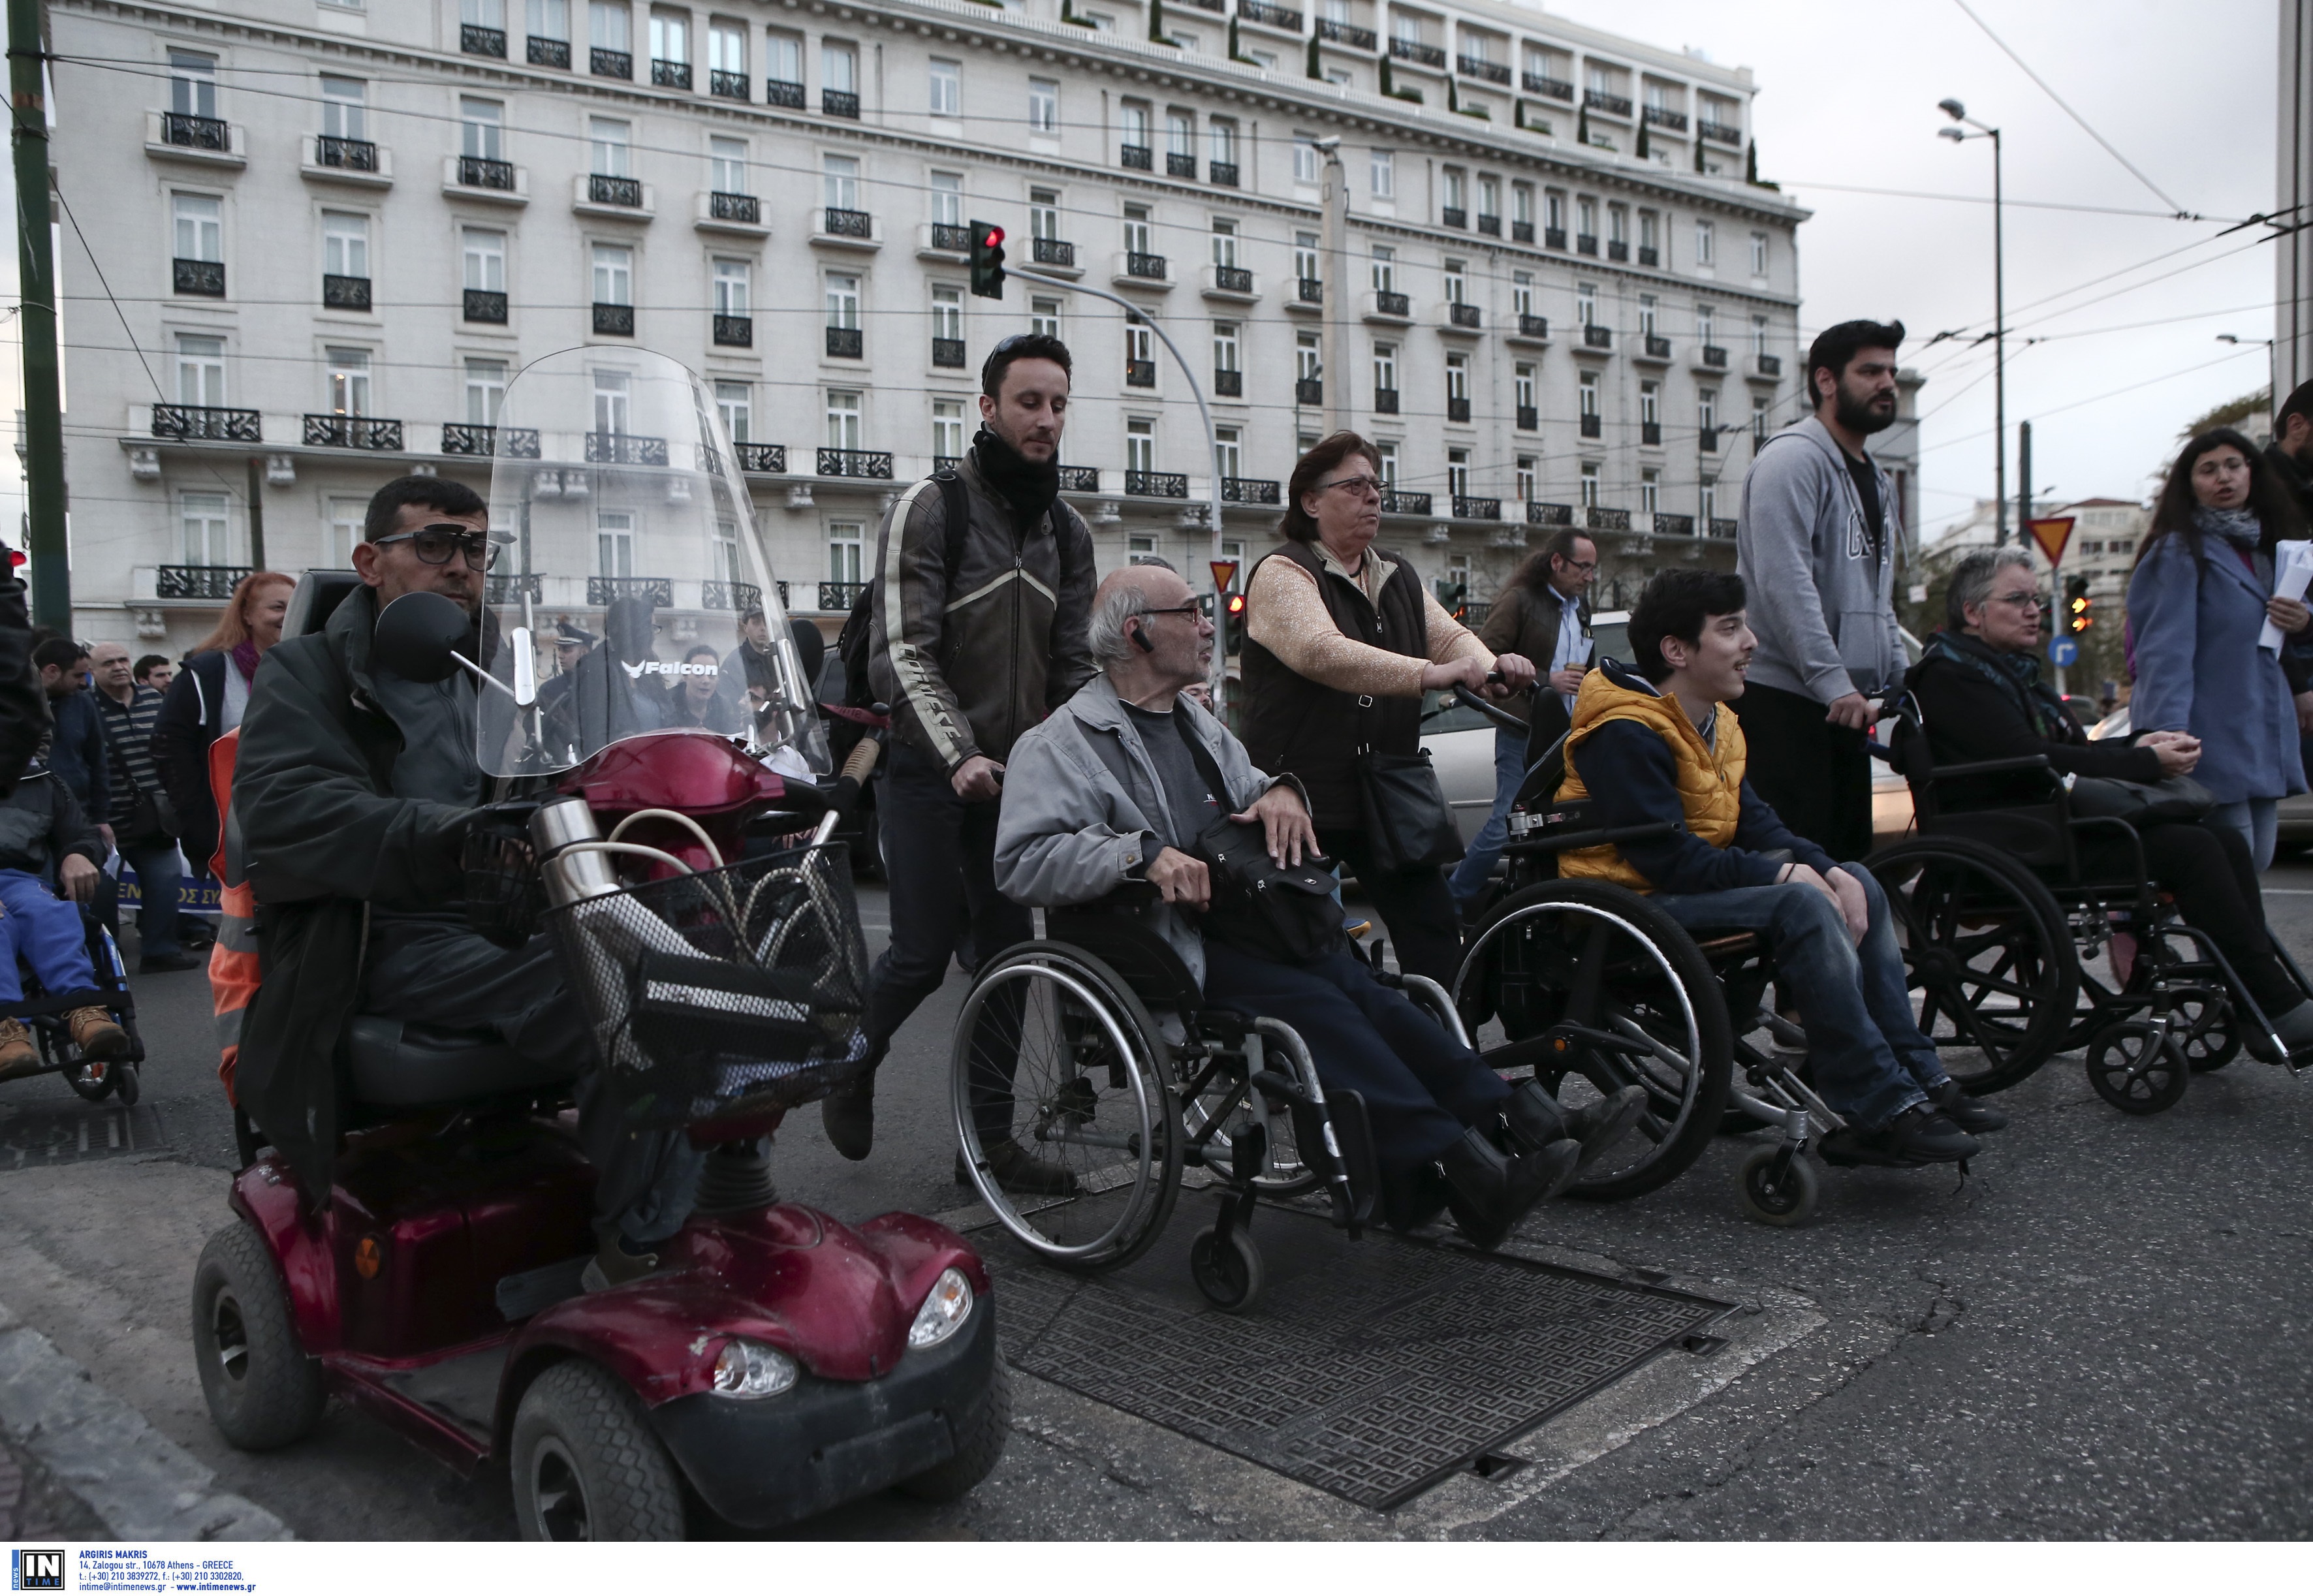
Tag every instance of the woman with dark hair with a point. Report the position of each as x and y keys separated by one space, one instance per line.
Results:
x=1342 y=640
x=2201 y=593
x=207 y=700
x=696 y=699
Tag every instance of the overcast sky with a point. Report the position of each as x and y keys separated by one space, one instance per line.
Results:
x=1847 y=94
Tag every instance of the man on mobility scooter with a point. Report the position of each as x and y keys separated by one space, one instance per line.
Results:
x=1130 y=781
x=1659 y=743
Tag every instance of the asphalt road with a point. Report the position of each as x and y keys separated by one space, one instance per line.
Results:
x=2099 y=1334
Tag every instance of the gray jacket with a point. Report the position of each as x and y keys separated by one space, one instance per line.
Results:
x=1084 y=811
x=1822 y=598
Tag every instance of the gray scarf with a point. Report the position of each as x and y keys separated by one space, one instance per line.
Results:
x=2236 y=527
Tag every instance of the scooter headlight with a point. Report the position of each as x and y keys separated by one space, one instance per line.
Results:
x=944 y=1310
x=748 y=1369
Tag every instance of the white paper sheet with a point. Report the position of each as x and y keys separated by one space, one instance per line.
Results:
x=2292 y=569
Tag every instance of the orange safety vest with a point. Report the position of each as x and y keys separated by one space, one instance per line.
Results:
x=232 y=960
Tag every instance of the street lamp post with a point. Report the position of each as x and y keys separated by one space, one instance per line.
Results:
x=1958 y=113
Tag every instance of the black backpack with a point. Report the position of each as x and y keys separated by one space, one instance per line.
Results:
x=852 y=643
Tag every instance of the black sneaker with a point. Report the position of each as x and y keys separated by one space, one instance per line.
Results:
x=1922 y=1133
x=160 y=964
x=1972 y=1115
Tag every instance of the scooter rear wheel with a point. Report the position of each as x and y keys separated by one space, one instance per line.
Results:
x=261 y=1389
x=586 y=1466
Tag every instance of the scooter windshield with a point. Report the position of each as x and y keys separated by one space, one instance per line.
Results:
x=631 y=592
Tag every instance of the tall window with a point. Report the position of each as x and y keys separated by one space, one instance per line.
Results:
x=1044 y=107
x=1222 y=135
x=1618 y=223
x=1457 y=473
x=1587 y=392
x=1305 y=257
x=946 y=88
x=1309 y=357
x=1457 y=377
x=1707 y=506
x=1224 y=241
x=1181 y=134
x=610 y=25
x=1758 y=420
x=1649 y=492
x=1385 y=269
x=1225 y=356
x=782 y=58
x=348 y=378
x=1523 y=385
x=948 y=312
x=842 y=418
x=614 y=542
x=1043 y=213
x=1140 y=444
x=844 y=539
x=614 y=274
x=486 y=381
x=1044 y=316
x=1138 y=346
x=726 y=165
x=734 y=402
x=1585 y=217
x=1522 y=204
x=723 y=550
x=485 y=255
x=200 y=370
x=1229 y=444
x=670 y=37
x=202 y=516
x=608 y=141
x=482 y=125
x=947 y=429
x=1706 y=411
x=948 y=198
x=842 y=300
x=839 y=181
x=1529 y=479
x=1586 y=303
x=613 y=396
x=1706 y=324
x=726 y=49
x=346 y=518
x=1458 y=282
x=1648 y=305
x=549 y=19
x=1522 y=293
x=1387 y=448
x=1386 y=368
x=1758 y=335
x=192 y=83
x=1650 y=229
x=345 y=113
x=1650 y=403
x=1758 y=254
x=1135 y=230
x=731 y=285
x=200 y=227
x=1304 y=158
x=344 y=244
x=1456 y=189
x=1706 y=239
x=1589 y=483
x=1489 y=196
x=1132 y=125
x=839 y=67
x=1554 y=213
x=1384 y=174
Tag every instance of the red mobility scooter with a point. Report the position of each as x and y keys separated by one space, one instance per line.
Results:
x=780 y=1362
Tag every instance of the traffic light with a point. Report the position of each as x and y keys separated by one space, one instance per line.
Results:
x=1451 y=596
x=988 y=261
x=1232 y=624
x=2075 y=606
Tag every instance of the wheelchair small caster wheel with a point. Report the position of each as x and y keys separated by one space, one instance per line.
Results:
x=1226 y=1270
x=92 y=1081
x=2215 y=1039
x=2136 y=1069
x=1785 y=1199
x=125 y=1084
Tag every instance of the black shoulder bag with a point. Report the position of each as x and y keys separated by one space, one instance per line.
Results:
x=1283 y=912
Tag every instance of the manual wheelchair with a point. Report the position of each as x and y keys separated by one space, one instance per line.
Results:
x=2021 y=949
x=43 y=1014
x=1126 y=1076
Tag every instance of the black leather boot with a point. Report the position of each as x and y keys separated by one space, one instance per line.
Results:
x=1536 y=1120
x=1018 y=1169
x=848 y=1114
x=1493 y=1190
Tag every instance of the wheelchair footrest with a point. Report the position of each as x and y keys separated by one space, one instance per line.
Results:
x=1352 y=1142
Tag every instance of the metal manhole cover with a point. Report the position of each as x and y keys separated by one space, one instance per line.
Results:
x=1372 y=1370
x=36 y=1134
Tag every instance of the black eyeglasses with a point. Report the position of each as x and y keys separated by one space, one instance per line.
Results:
x=1191 y=607
x=436 y=544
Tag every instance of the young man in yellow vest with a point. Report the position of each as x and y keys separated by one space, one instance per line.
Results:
x=1658 y=742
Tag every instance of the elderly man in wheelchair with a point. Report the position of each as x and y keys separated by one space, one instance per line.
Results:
x=1657 y=754
x=1131 y=789
x=43 y=830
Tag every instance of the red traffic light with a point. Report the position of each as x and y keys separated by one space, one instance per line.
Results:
x=993 y=239
x=1236 y=603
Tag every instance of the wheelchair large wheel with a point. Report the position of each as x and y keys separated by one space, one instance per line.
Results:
x=1089 y=1090
x=1989 y=952
x=1598 y=989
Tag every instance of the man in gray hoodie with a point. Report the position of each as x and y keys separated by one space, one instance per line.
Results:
x=1814 y=547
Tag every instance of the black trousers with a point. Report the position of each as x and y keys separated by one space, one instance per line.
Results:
x=1815 y=776
x=2206 y=867
x=1415 y=906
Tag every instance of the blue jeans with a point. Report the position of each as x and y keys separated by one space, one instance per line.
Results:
x=45 y=931
x=1469 y=876
x=2258 y=822
x=157 y=883
x=1870 y=1061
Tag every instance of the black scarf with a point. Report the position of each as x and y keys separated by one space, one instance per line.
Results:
x=2017 y=675
x=1027 y=485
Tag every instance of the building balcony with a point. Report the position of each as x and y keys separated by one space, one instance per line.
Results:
x=611 y=64
x=202 y=277
x=1492 y=72
x=1222 y=173
x=948 y=354
x=206 y=423
x=1592 y=427
x=1521 y=232
x=486 y=442
x=1529 y=418
x=1541 y=514
x=1618 y=249
x=1140 y=373
x=199 y=141
x=475 y=41
x=1711 y=357
x=1662 y=116
x=1385 y=401
x=734 y=332
x=1308 y=294
x=779 y=93
x=1452 y=216
x=1230 y=283
x=625 y=449
x=1058 y=253
x=198 y=582
x=726 y=85
x=1228 y=384
x=344 y=294
x=491 y=182
x=1706 y=440
x=1585 y=243
x=1653 y=348
x=847 y=343
x=1549 y=88
x=487 y=306
x=1467 y=508
x=614 y=320
x=1553 y=238
x=1357 y=39
x=1599 y=519
x=1418 y=53
x=1142 y=270
x=1766 y=365
x=1458 y=409
x=734 y=597
x=1597 y=334
x=837 y=598
x=1492 y=225
x=839 y=102
x=357 y=158
x=762 y=460
x=1650 y=256
x=1156 y=485
x=1612 y=105
x=1180 y=163
x=671 y=74
x=1383 y=305
x=1650 y=433
x=1396 y=503
x=1461 y=317
x=1268 y=16
x=656 y=590
x=1667 y=525
x=1248 y=490
x=741 y=214
x=602 y=192
x=1528 y=329
x=841 y=229
x=1720 y=132
x=548 y=52
x=1309 y=391
x=1079 y=480
x=1216 y=6
x=353 y=432
x=1722 y=526
x=1136 y=157
x=947 y=237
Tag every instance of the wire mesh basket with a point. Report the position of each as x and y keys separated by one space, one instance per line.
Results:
x=739 y=989
x=504 y=893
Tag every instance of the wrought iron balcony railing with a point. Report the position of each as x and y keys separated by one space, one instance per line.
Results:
x=1650 y=256
x=734 y=332
x=768 y=460
x=847 y=343
x=1592 y=427
x=1494 y=71
x=838 y=102
x=1674 y=526
x=1233 y=280
x=1180 y=164
x=1463 y=315
x=1713 y=356
x=786 y=95
x=509 y=587
x=1600 y=519
x=658 y=590
x=206 y=277
x=1662 y=116
x=1151 y=267
x=1140 y=373
x=1706 y=440
x=1550 y=88
x=614 y=320
x=1397 y=502
x=1490 y=224
x=837 y=598
x=481 y=41
x=1769 y=365
x=347 y=154
x=868 y=465
x=198 y=582
x=208 y=422
x=1533 y=327
x=1309 y=291
x=1719 y=132
x=195 y=133
x=1450 y=215
x=1228 y=384
x=1392 y=304
x=1467 y=508
x=1614 y=105
x=1309 y=391
x=1248 y=490
x=1357 y=39
x=1222 y=172
x=344 y=294
x=604 y=189
x=1415 y=51
x=548 y=52
x=1553 y=238
x=735 y=207
x=1529 y=418
x=951 y=235
x=1079 y=478
x=1585 y=243
x=1156 y=485
x=1521 y=232
x=948 y=352
x=1540 y=514
x=510 y=442
x=1054 y=251
x=1650 y=431
x=1657 y=347
x=735 y=596
x=625 y=449
x=353 y=432
x=1722 y=526
x=1618 y=249
x=840 y=223
x=1597 y=334
x=477 y=172
x=1139 y=157
x=726 y=85
x=1268 y=16
x=610 y=63
x=671 y=74
x=1385 y=401
x=1458 y=409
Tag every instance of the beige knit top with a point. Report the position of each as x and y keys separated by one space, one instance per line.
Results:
x=1284 y=612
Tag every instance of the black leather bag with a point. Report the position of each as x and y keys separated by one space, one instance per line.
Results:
x=1407 y=824
x=2140 y=802
x=1285 y=914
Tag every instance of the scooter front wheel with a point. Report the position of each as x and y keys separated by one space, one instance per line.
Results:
x=586 y=1466
x=261 y=1389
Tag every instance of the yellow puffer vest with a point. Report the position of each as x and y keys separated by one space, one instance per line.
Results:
x=1710 y=781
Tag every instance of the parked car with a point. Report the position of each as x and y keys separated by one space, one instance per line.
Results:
x=2293 y=830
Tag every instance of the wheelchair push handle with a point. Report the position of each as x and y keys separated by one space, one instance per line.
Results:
x=1501 y=717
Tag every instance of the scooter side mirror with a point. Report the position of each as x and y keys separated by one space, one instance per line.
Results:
x=418 y=637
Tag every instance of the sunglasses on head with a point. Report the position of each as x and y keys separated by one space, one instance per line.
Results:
x=437 y=543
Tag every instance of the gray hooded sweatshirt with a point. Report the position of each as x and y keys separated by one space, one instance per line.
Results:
x=1822 y=595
